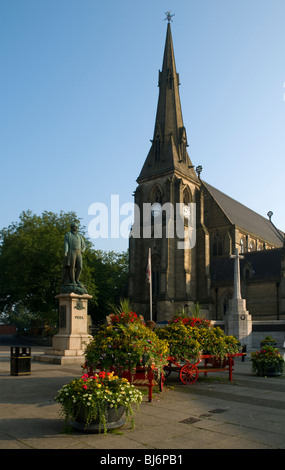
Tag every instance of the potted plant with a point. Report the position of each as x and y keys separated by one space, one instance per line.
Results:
x=124 y=344
x=215 y=342
x=182 y=345
x=267 y=362
x=268 y=341
x=193 y=336
x=98 y=402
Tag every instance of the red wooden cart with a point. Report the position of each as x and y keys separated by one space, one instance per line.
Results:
x=189 y=371
x=140 y=377
x=143 y=377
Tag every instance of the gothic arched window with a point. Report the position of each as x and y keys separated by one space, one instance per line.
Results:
x=156 y=195
x=218 y=245
x=187 y=198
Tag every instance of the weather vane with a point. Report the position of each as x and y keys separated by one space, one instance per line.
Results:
x=168 y=16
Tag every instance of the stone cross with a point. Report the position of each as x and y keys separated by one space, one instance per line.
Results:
x=237 y=257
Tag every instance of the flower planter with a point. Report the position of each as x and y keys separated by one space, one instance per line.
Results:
x=267 y=362
x=268 y=371
x=114 y=419
x=267 y=343
x=98 y=403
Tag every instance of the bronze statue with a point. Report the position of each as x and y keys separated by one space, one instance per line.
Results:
x=74 y=246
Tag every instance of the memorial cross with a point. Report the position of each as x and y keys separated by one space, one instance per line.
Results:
x=237 y=257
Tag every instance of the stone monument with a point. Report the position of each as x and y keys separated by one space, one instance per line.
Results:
x=238 y=321
x=69 y=344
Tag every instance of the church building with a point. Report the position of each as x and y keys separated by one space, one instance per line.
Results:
x=183 y=275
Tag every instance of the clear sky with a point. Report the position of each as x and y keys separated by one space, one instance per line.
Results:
x=79 y=92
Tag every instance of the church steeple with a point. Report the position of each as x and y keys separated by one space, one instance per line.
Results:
x=169 y=145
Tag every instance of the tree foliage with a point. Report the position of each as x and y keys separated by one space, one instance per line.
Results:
x=111 y=276
x=31 y=263
x=31 y=258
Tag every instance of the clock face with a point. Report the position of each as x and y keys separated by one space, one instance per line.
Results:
x=186 y=211
x=156 y=209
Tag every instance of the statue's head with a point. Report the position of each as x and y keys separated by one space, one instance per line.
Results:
x=74 y=227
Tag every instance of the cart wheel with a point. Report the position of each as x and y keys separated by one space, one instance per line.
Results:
x=188 y=374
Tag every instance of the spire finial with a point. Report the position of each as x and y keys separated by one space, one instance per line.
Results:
x=168 y=16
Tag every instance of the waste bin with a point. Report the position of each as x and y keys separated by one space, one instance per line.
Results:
x=20 y=360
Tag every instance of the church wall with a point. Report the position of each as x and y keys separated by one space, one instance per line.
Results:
x=261 y=300
x=247 y=242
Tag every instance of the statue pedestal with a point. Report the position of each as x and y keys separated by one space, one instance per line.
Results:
x=69 y=344
x=239 y=322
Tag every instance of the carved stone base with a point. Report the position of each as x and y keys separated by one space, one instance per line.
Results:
x=70 y=343
x=239 y=322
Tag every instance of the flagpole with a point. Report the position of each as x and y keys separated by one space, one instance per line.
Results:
x=150 y=283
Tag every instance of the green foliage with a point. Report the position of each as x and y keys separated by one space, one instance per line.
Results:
x=182 y=346
x=31 y=267
x=124 y=306
x=31 y=258
x=126 y=345
x=189 y=338
x=111 y=275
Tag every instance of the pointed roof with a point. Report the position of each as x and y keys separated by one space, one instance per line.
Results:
x=245 y=218
x=169 y=145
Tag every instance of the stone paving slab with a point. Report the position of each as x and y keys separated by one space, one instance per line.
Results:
x=248 y=413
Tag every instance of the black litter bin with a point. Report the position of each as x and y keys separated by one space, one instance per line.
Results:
x=20 y=360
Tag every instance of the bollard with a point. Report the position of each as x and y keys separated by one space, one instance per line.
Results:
x=244 y=352
x=20 y=360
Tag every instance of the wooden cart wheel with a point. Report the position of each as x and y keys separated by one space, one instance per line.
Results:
x=188 y=374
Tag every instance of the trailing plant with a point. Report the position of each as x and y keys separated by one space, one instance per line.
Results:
x=91 y=396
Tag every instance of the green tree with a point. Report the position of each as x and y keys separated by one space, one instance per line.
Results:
x=31 y=259
x=110 y=270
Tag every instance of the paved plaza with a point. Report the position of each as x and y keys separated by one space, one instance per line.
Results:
x=248 y=413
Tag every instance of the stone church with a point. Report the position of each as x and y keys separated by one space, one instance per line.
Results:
x=181 y=277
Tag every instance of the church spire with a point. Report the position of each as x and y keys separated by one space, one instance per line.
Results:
x=169 y=145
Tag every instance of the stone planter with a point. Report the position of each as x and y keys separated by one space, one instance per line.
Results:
x=114 y=420
x=268 y=371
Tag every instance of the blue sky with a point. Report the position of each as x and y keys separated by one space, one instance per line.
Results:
x=79 y=94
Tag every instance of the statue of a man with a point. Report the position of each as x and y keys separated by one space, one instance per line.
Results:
x=73 y=248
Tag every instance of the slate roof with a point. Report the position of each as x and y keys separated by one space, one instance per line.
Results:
x=266 y=265
x=245 y=218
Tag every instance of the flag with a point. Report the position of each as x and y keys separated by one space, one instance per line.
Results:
x=148 y=269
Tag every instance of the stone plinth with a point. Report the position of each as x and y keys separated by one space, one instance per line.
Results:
x=239 y=322
x=69 y=344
